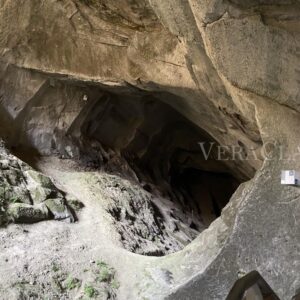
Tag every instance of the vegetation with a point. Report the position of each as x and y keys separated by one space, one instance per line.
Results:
x=72 y=283
x=115 y=284
x=15 y=199
x=106 y=275
x=55 y=268
x=90 y=291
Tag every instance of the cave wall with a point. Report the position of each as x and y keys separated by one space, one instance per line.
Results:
x=79 y=47
x=229 y=67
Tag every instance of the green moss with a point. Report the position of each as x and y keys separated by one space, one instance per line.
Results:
x=115 y=284
x=90 y=291
x=26 y=213
x=56 y=205
x=15 y=199
x=41 y=179
x=107 y=274
x=72 y=283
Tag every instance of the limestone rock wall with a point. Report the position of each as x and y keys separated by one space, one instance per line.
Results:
x=229 y=67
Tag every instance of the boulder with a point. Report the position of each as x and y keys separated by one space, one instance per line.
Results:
x=25 y=213
x=57 y=207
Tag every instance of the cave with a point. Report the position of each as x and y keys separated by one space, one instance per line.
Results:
x=141 y=147
x=142 y=138
x=159 y=148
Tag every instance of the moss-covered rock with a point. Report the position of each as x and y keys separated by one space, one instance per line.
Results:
x=25 y=213
x=41 y=179
x=40 y=186
x=75 y=204
x=59 y=209
x=27 y=196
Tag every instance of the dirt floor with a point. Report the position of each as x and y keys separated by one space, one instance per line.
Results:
x=60 y=260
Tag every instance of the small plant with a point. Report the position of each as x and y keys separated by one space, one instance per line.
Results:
x=90 y=291
x=106 y=274
x=115 y=284
x=72 y=283
x=101 y=264
x=14 y=200
x=55 y=268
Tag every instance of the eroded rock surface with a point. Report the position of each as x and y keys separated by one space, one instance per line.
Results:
x=145 y=227
x=128 y=89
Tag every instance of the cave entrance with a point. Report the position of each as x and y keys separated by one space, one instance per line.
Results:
x=161 y=146
x=147 y=138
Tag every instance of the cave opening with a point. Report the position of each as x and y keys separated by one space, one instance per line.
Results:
x=161 y=147
x=176 y=190
x=173 y=189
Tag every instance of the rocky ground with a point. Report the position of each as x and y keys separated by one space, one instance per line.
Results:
x=108 y=103
x=103 y=214
x=63 y=260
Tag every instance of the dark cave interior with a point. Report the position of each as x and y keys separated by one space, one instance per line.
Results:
x=162 y=147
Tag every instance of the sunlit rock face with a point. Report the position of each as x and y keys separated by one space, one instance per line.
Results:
x=138 y=91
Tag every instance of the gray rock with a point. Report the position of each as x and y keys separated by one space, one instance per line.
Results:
x=25 y=213
x=58 y=209
x=25 y=194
